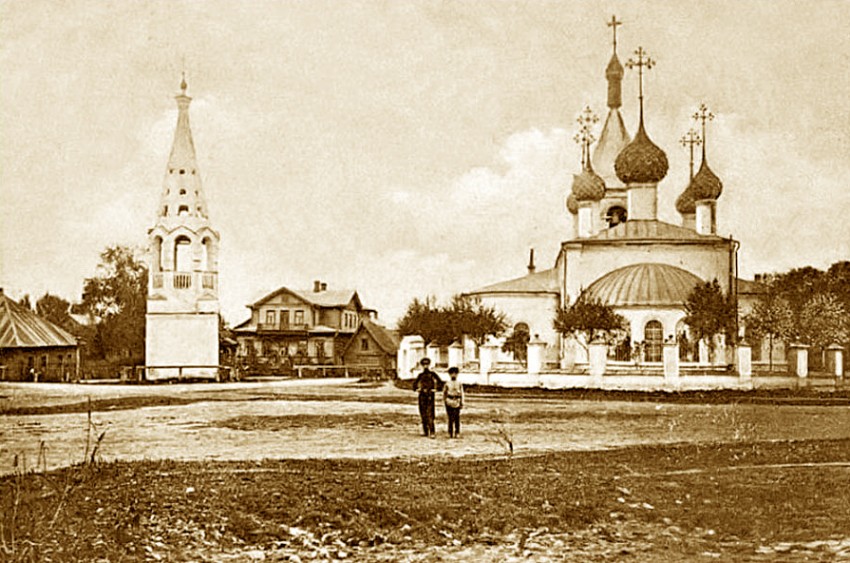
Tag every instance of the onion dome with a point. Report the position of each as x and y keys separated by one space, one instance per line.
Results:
x=572 y=204
x=588 y=186
x=641 y=162
x=685 y=203
x=706 y=184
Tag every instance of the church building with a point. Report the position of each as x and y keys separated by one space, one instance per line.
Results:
x=182 y=319
x=620 y=253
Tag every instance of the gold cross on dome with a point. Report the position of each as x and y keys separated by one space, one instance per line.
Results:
x=613 y=24
x=691 y=139
x=703 y=114
x=586 y=119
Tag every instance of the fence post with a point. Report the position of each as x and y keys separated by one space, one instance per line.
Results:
x=486 y=355
x=456 y=355
x=598 y=357
x=671 y=363
x=835 y=360
x=534 y=355
x=745 y=362
x=799 y=361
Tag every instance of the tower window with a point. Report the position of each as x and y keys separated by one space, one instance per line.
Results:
x=167 y=192
x=165 y=210
x=182 y=171
x=182 y=192
x=615 y=216
x=193 y=171
x=183 y=210
x=171 y=171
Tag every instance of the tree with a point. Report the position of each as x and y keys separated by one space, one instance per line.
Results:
x=474 y=319
x=709 y=312
x=517 y=343
x=115 y=297
x=823 y=321
x=446 y=324
x=589 y=318
x=771 y=317
x=56 y=310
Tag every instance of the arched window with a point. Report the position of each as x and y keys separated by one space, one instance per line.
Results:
x=653 y=338
x=183 y=210
x=182 y=254
x=156 y=254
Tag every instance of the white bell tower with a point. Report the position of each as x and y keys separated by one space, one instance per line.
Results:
x=181 y=330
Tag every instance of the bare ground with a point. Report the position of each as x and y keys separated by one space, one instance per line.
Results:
x=337 y=471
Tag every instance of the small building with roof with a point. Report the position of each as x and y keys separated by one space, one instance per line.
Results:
x=372 y=349
x=33 y=348
x=290 y=327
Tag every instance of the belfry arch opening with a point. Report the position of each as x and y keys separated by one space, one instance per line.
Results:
x=182 y=254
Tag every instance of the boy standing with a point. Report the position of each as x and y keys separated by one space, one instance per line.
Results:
x=426 y=384
x=453 y=399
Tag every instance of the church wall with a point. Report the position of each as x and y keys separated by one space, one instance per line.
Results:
x=590 y=262
x=536 y=310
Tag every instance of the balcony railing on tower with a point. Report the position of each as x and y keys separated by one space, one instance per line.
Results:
x=184 y=280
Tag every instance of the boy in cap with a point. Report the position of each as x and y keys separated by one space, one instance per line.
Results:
x=426 y=384
x=453 y=399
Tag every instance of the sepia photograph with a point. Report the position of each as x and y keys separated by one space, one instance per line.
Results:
x=424 y=281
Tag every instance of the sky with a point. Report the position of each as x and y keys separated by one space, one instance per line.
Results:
x=404 y=148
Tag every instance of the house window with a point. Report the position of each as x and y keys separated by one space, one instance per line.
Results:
x=270 y=317
x=364 y=344
x=284 y=317
x=299 y=317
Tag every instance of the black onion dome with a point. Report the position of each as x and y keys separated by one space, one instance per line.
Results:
x=572 y=204
x=685 y=203
x=588 y=186
x=641 y=161
x=706 y=184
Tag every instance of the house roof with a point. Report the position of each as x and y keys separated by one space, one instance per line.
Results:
x=386 y=339
x=640 y=229
x=325 y=298
x=544 y=281
x=643 y=285
x=21 y=328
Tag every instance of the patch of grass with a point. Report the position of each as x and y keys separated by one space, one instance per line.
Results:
x=122 y=510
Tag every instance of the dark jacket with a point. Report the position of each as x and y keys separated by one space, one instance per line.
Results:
x=427 y=382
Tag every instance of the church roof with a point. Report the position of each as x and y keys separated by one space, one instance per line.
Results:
x=21 y=328
x=544 y=281
x=645 y=284
x=650 y=229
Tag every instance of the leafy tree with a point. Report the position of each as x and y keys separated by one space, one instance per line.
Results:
x=824 y=321
x=474 y=319
x=709 y=312
x=115 y=297
x=443 y=325
x=771 y=317
x=55 y=309
x=589 y=318
x=517 y=343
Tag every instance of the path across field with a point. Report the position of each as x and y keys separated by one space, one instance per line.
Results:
x=342 y=418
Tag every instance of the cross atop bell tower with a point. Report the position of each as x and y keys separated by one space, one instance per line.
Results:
x=613 y=25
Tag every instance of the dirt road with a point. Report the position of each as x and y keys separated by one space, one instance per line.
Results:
x=344 y=419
